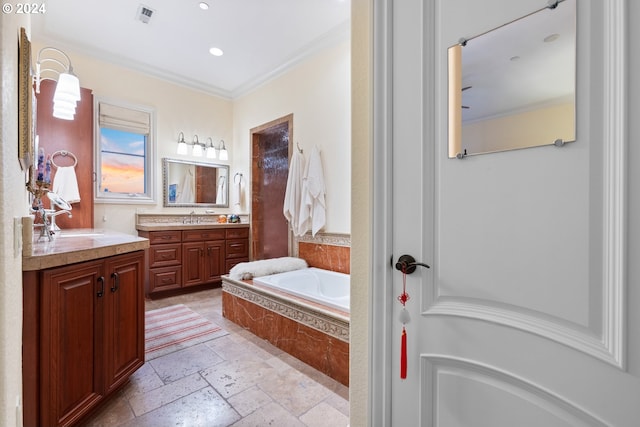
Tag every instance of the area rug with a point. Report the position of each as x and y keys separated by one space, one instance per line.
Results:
x=175 y=328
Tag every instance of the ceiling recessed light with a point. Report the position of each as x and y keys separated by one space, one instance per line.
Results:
x=215 y=51
x=204 y=6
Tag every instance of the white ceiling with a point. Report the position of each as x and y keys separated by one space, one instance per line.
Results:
x=260 y=38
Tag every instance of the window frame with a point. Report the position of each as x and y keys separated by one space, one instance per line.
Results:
x=150 y=195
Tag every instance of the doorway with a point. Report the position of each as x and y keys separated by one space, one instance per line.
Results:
x=270 y=151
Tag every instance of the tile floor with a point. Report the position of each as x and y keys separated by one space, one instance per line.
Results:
x=235 y=380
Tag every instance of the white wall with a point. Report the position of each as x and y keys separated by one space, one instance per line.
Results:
x=13 y=203
x=317 y=92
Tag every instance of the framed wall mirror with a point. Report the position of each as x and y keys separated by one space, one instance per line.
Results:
x=194 y=184
x=514 y=86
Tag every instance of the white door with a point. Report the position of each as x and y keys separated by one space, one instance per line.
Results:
x=526 y=316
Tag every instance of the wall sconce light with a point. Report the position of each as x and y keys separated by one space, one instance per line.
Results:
x=211 y=150
x=67 y=93
x=182 y=145
x=199 y=149
x=224 y=154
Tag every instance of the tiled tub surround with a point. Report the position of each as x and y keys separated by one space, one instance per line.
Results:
x=327 y=251
x=311 y=332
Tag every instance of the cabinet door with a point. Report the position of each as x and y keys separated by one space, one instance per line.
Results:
x=193 y=263
x=124 y=318
x=214 y=265
x=72 y=308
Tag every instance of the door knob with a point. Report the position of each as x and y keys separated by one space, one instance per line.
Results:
x=408 y=264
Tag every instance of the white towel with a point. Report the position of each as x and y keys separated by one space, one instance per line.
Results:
x=65 y=184
x=293 y=193
x=187 y=192
x=237 y=186
x=312 y=208
x=220 y=192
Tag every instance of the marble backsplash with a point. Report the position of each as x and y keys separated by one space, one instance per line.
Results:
x=327 y=251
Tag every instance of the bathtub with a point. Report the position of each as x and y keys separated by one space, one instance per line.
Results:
x=325 y=287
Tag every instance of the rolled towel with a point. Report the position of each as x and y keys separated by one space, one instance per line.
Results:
x=264 y=267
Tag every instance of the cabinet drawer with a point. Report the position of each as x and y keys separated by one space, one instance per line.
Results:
x=238 y=248
x=156 y=237
x=237 y=233
x=165 y=255
x=195 y=235
x=162 y=279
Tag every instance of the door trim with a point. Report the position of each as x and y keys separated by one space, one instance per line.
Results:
x=381 y=312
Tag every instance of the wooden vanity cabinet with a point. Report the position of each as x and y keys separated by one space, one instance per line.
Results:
x=165 y=260
x=83 y=336
x=180 y=259
x=236 y=246
x=202 y=256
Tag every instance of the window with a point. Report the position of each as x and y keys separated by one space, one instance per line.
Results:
x=124 y=162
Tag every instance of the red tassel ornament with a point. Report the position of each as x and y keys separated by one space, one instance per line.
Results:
x=403 y=354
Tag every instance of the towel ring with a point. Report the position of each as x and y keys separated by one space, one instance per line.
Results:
x=64 y=153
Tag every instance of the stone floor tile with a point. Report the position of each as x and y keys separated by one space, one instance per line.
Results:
x=232 y=377
x=294 y=391
x=231 y=348
x=142 y=381
x=182 y=363
x=143 y=403
x=338 y=402
x=115 y=412
x=249 y=400
x=203 y=408
x=270 y=415
x=323 y=415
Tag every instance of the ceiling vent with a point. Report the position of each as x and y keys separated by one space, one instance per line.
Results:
x=144 y=14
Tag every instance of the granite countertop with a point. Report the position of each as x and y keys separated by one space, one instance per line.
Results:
x=76 y=245
x=181 y=226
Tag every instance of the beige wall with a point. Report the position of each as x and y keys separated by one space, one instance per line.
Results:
x=521 y=130
x=178 y=109
x=317 y=92
x=13 y=204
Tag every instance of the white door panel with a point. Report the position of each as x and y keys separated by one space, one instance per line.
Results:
x=520 y=321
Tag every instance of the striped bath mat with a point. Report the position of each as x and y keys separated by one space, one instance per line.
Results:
x=174 y=328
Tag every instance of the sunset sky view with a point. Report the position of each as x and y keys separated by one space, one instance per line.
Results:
x=122 y=155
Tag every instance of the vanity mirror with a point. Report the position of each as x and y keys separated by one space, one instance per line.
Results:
x=195 y=184
x=514 y=86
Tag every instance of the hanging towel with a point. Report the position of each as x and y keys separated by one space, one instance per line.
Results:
x=187 y=193
x=237 y=186
x=293 y=192
x=220 y=192
x=312 y=210
x=65 y=184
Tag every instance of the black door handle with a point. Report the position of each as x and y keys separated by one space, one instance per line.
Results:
x=408 y=264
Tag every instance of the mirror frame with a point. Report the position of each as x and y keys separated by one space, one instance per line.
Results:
x=165 y=184
x=456 y=86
